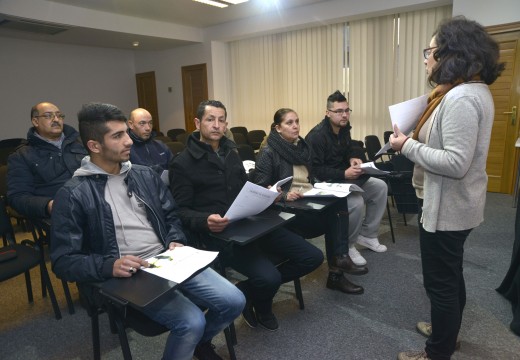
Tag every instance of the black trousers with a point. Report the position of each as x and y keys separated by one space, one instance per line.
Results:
x=442 y=257
x=255 y=261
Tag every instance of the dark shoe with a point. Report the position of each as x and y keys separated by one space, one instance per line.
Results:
x=206 y=351
x=268 y=321
x=345 y=263
x=249 y=315
x=339 y=282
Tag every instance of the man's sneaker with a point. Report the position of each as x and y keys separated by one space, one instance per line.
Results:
x=413 y=355
x=249 y=315
x=425 y=329
x=206 y=351
x=356 y=256
x=371 y=243
x=268 y=321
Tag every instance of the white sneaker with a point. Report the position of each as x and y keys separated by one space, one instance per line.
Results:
x=371 y=243
x=356 y=256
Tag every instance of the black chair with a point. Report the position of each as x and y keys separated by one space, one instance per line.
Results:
x=172 y=133
x=183 y=138
x=162 y=138
x=239 y=130
x=401 y=187
x=17 y=259
x=386 y=138
x=7 y=147
x=240 y=139
x=175 y=147
x=122 y=316
x=246 y=152
x=255 y=138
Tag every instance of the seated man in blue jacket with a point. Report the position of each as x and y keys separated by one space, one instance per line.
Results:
x=112 y=215
x=145 y=150
x=41 y=166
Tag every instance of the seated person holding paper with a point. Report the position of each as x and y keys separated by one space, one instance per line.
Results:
x=112 y=215
x=336 y=158
x=145 y=149
x=205 y=179
x=287 y=154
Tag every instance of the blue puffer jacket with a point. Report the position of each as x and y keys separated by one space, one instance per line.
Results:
x=84 y=246
x=152 y=153
x=38 y=169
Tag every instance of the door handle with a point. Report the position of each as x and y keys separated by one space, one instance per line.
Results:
x=513 y=115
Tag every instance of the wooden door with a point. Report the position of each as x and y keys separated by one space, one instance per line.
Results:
x=147 y=95
x=194 y=90
x=501 y=164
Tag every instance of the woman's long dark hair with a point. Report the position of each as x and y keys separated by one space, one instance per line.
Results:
x=465 y=51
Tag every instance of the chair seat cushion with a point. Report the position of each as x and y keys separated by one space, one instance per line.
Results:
x=26 y=259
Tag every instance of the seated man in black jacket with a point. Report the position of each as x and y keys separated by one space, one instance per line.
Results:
x=41 y=166
x=205 y=179
x=145 y=149
x=112 y=215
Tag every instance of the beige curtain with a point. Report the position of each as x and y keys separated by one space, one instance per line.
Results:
x=297 y=69
x=387 y=66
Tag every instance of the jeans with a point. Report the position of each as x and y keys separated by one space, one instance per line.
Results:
x=264 y=278
x=442 y=257
x=181 y=311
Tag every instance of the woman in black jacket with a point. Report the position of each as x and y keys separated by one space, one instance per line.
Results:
x=287 y=154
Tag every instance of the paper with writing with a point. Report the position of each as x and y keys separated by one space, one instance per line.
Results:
x=370 y=168
x=180 y=263
x=252 y=200
x=332 y=189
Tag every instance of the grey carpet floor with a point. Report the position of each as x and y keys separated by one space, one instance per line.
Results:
x=375 y=325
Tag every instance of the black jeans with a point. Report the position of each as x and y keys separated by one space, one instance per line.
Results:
x=442 y=257
x=264 y=278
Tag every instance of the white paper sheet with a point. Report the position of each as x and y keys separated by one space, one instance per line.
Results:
x=180 y=263
x=280 y=183
x=370 y=168
x=252 y=200
x=248 y=165
x=407 y=114
x=332 y=189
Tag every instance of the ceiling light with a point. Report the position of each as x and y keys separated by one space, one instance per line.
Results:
x=135 y=43
x=211 y=2
x=235 y=2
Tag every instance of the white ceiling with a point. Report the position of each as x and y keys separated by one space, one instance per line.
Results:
x=186 y=13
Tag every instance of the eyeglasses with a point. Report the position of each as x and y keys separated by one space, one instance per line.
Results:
x=51 y=115
x=341 y=111
x=428 y=51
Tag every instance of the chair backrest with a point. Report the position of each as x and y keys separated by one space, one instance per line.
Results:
x=246 y=152
x=7 y=147
x=3 y=180
x=373 y=145
x=172 y=133
x=255 y=138
x=401 y=185
x=183 y=138
x=163 y=139
x=239 y=130
x=240 y=138
x=175 y=147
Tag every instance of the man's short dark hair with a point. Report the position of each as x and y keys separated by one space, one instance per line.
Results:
x=202 y=107
x=92 y=119
x=34 y=110
x=336 y=96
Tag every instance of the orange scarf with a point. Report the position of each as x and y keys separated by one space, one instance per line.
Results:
x=434 y=99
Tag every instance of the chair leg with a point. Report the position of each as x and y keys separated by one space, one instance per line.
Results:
x=230 y=335
x=96 y=345
x=47 y=283
x=298 y=291
x=66 y=290
x=390 y=222
x=28 y=284
x=121 y=332
x=404 y=218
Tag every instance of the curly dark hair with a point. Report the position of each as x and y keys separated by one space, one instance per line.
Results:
x=464 y=51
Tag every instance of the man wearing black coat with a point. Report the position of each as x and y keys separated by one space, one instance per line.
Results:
x=205 y=179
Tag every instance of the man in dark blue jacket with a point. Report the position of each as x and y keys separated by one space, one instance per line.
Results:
x=112 y=215
x=145 y=150
x=41 y=166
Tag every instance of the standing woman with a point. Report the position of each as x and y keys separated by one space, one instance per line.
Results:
x=287 y=154
x=449 y=148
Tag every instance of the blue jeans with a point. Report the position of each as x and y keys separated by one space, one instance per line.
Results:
x=181 y=311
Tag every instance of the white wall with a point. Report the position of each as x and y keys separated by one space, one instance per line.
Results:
x=66 y=75
x=488 y=13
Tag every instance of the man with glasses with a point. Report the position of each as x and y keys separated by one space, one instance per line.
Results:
x=42 y=165
x=146 y=150
x=336 y=158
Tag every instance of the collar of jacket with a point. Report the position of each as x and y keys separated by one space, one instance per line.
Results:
x=137 y=139
x=198 y=149
x=70 y=135
x=328 y=126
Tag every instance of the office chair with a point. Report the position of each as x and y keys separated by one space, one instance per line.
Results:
x=255 y=138
x=239 y=130
x=246 y=152
x=175 y=147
